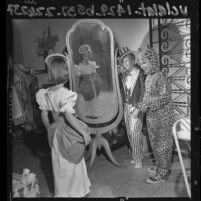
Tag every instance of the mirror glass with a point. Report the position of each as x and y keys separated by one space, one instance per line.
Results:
x=91 y=46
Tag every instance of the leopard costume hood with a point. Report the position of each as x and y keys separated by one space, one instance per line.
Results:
x=152 y=56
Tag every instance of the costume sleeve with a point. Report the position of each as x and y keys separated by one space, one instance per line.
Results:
x=164 y=95
x=68 y=100
x=142 y=86
x=144 y=101
x=143 y=106
x=94 y=65
x=40 y=99
x=77 y=70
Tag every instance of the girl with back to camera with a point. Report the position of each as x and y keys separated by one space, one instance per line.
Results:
x=67 y=135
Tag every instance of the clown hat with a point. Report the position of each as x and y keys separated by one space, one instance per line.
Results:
x=125 y=51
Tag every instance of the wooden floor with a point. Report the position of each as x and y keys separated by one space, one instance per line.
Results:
x=107 y=179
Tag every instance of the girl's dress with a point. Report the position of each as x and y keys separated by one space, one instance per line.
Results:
x=89 y=83
x=70 y=180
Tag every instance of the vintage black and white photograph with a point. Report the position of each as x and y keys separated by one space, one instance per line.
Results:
x=100 y=108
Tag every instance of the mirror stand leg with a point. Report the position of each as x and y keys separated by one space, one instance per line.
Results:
x=98 y=142
x=108 y=151
x=93 y=152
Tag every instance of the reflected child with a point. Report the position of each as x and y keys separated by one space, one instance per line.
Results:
x=89 y=82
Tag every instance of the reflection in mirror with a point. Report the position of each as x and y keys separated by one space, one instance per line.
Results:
x=93 y=75
x=88 y=82
x=91 y=47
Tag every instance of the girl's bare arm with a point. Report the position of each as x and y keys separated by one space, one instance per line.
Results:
x=73 y=122
x=45 y=119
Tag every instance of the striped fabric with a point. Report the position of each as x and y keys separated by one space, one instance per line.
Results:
x=133 y=128
x=123 y=51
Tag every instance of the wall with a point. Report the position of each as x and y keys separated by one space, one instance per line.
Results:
x=128 y=32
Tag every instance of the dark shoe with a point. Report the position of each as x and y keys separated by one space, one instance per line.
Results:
x=152 y=169
x=156 y=179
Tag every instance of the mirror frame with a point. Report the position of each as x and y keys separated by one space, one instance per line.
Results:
x=95 y=126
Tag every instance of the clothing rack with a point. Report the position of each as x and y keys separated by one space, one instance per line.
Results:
x=23 y=111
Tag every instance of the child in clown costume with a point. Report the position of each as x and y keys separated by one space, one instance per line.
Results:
x=133 y=81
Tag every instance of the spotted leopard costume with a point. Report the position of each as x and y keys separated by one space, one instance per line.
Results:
x=158 y=106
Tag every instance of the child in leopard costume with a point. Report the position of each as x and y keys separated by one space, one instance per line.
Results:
x=160 y=115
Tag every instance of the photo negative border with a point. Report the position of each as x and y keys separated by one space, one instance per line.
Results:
x=116 y=9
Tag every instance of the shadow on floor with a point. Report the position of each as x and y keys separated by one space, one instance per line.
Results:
x=39 y=148
x=180 y=189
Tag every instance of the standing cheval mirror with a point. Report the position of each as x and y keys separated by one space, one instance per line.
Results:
x=99 y=100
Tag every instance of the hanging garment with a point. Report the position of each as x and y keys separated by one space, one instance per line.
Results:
x=24 y=107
